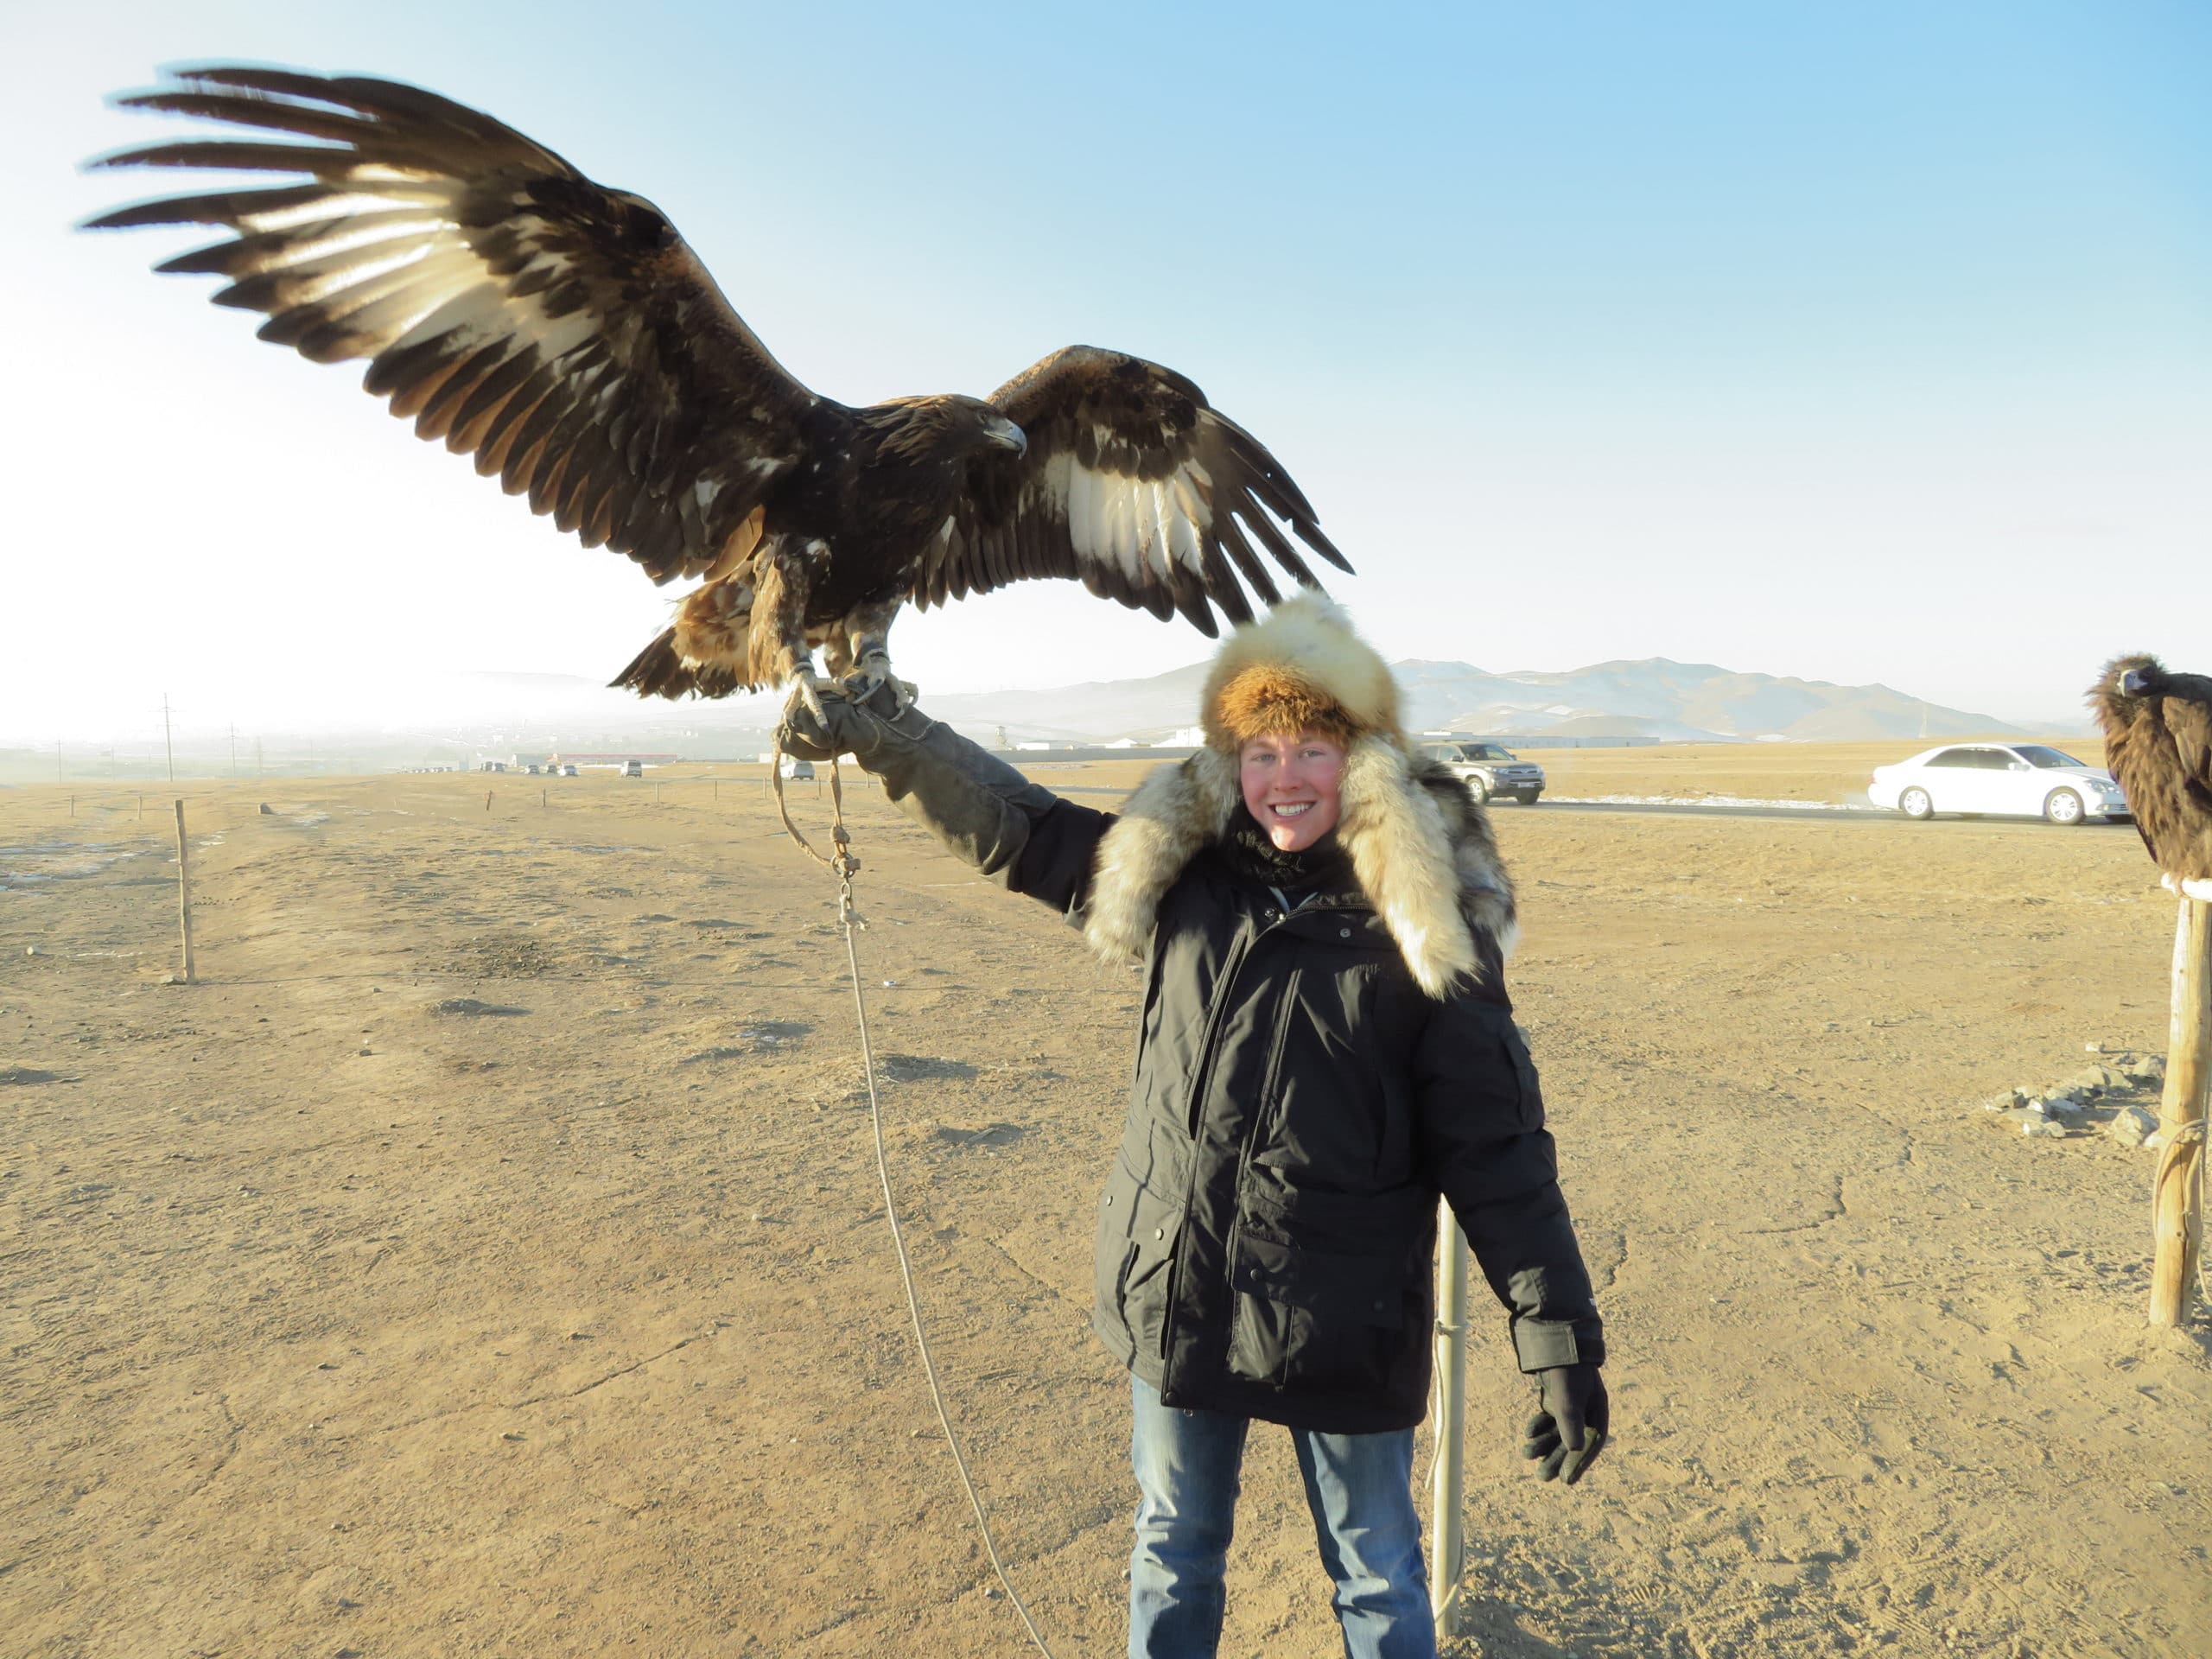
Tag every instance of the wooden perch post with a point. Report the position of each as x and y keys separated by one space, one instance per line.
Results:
x=184 y=891
x=2177 y=1192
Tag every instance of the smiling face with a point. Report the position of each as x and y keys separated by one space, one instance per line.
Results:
x=1292 y=787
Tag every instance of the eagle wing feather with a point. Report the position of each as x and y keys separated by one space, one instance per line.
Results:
x=560 y=332
x=1134 y=485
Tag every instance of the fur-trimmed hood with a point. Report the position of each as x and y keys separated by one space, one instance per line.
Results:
x=1420 y=844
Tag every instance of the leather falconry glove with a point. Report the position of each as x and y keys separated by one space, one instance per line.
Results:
x=975 y=803
x=1568 y=1430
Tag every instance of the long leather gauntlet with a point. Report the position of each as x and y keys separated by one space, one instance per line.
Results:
x=980 y=807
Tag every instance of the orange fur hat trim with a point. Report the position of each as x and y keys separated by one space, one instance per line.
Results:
x=1269 y=700
x=1300 y=667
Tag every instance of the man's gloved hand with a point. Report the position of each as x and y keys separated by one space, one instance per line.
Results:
x=1568 y=1430
x=847 y=727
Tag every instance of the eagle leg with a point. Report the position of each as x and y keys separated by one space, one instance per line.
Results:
x=866 y=632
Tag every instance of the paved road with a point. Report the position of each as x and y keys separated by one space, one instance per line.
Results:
x=1832 y=815
x=1779 y=814
x=1670 y=809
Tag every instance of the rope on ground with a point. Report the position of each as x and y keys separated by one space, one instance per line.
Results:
x=844 y=865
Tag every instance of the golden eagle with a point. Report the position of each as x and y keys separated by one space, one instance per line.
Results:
x=564 y=334
x=2157 y=731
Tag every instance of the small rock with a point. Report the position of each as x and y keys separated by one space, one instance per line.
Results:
x=2160 y=1142
x=2132 y=1126
x=470 y=1007
x=2151 y=1068
x=2004 y=1103
x=267 y=811
x=2065 y=1105
x=2042 y=1128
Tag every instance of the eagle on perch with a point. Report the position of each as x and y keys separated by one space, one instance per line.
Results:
x=565 y=336
x=2158 y=729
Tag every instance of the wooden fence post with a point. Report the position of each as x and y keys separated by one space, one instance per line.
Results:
x=2177 y=1191
x=184 y=891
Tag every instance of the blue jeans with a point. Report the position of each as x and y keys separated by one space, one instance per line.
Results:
x=1358 y=1488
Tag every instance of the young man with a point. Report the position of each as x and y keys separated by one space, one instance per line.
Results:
x=1326 y=1045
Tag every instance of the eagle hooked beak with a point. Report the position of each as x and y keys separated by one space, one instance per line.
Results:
x=1006 y=432
x=2134 y=683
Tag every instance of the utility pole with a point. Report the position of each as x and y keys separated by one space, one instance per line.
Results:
x=57 y=760
x=234 y=748
x=166 y=743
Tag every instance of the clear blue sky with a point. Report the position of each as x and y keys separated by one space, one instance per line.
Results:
x=1863 y=342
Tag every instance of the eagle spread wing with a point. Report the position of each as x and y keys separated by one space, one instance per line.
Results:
x=559 y=331
x=1133 y=485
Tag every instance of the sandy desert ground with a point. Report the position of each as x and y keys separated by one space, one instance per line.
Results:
x=487 y=1257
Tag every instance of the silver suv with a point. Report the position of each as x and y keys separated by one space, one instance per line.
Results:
x=1489 y=768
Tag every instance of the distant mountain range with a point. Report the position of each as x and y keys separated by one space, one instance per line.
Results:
x=1653 y=698
x=457 y=718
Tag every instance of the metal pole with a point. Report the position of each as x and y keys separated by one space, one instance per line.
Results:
x=1446 y=1528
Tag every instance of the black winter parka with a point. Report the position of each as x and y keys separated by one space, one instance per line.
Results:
x=1266 y=1236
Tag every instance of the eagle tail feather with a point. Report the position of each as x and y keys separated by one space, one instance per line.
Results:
x=657 y=671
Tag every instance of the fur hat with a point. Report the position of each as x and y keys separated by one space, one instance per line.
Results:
x=1300 y=667
x=1421 y=845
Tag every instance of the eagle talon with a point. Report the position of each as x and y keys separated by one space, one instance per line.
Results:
x=874 y=672
x=810 y=688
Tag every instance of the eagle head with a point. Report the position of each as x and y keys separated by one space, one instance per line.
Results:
x=994 y=430
x=2125 y=680
x=945 y=430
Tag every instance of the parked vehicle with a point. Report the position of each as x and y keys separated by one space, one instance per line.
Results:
x=2022 y=780
x=633 y=768
x=1490 y=769
x=569 y=770
x=793 y=768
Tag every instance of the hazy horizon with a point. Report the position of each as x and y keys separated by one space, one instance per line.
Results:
x=459 y=705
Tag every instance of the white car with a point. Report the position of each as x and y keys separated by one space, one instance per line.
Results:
x=2024 y=780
